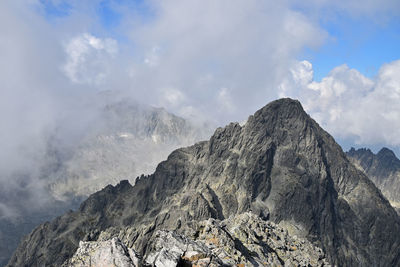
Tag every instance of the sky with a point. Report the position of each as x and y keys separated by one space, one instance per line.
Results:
x=238 y=55
x=205 y=60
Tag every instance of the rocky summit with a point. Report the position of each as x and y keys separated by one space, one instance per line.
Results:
x=382 y=168
x=280 y=166
x=241 y=240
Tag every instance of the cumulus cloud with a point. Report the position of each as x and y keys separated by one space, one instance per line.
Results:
x=88 y=58
x=350 y=105
x=36 y=105
x=152 y=58
x=199 y=47
x=171 y=97
x=212 y=60
x=225 y=100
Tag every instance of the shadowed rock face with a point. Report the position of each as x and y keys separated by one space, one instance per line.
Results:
x=382 y=168
x=280 y=165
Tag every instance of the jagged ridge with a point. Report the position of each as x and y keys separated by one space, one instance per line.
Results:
x=281 y=165
x=241 y=240
x=382 y=168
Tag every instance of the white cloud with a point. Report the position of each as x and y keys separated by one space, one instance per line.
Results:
x=194 y=48
x=350 y=105
x=88 y=58
x=225 y=100
x=152 y=59
x=171 y=97
x=199 y=47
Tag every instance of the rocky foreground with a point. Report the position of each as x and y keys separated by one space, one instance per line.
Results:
x=243 y=240
x=280 y=165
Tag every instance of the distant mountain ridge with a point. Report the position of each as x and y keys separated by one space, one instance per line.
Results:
x=129 y=140
x=382 y=168
x=280 y=165
x=123 y=141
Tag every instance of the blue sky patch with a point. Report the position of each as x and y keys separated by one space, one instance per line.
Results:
x=362 y=45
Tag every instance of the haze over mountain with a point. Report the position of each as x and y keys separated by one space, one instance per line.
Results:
x=201 y=60
x=128 y=140
x=124 y=140
x=383 y=168
x=280 y=165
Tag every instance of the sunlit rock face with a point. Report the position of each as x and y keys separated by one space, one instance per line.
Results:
x=280 y=166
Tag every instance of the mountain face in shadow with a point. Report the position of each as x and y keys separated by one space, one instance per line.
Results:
x=382 y=168
x=280 y=165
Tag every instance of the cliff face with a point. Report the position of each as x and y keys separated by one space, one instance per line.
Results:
x=382 y=168
x=280 y=165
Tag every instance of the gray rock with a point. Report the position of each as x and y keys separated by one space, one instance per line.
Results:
x=280 y=164
x=242 y=240
x=382 y=168
x=103 y=254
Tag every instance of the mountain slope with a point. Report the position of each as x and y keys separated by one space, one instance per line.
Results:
x=280 y=165
x=124 y=140
x=382 y=168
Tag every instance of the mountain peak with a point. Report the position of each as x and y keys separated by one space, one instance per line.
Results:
x=386 y=152
x=381 y=164
x=280 y=165
x=286 y=107
x=383 y=169
x=285 y=102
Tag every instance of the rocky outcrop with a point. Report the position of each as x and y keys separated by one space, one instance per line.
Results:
x=280 y=165
x=103 y=254
x=243 y=240
x=382 y=168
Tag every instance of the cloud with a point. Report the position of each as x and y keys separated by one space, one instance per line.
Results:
x=350 y=105
x=225 y=100
x=209 y=60
x=36 y=104
x=152 y=58
x=199 y=47
x=171 y=97
x=88 y=58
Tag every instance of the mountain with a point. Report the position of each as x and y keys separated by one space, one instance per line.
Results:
x=126 y=140
x=12 y=230
x=382 y=168
x=122 y=141
x=280 y=165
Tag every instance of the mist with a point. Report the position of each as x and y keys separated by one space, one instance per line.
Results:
x=207 y=61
